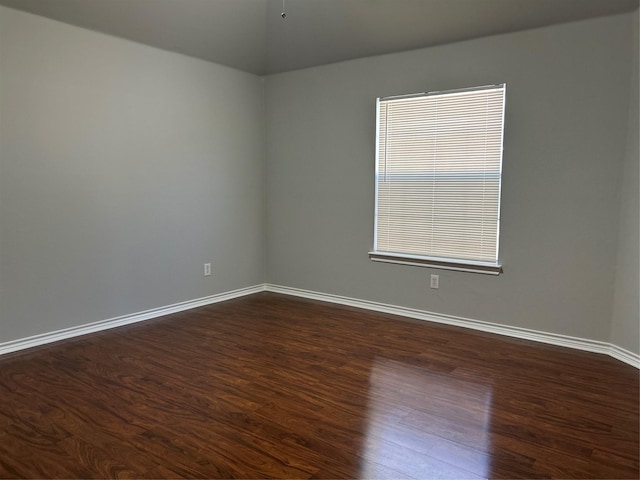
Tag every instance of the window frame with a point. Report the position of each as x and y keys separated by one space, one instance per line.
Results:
x=445 y=263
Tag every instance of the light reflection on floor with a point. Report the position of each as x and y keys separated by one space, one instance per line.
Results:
x=425 y=425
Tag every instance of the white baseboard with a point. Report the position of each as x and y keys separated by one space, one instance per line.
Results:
x=516 y=332
x=37 y=340
x=623 y=355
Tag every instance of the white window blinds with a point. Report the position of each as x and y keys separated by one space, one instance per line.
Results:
x=438 y=175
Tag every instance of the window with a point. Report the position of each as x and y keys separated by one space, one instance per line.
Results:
x=438 y=176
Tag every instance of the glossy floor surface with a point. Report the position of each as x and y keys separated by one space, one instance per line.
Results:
x=269 y=386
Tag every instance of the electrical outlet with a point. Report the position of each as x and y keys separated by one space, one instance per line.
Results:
x=207 y=269
x=435 y=281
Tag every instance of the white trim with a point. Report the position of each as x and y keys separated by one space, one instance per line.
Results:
x=577 y=343
x=595 y=346
x=455 y=264
x=624 y=355
x=455 y=91
x=42 y=339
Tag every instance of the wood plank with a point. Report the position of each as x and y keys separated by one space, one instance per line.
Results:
x=271 y=386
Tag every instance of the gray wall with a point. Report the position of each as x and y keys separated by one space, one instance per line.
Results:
x=625 y=331
x=122 y=170
x=566 y=132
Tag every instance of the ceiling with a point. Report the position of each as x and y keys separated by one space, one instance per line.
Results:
x=250 y=35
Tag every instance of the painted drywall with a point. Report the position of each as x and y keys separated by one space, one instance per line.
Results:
x=123 y=169
x=565 y=136
x=625 y=326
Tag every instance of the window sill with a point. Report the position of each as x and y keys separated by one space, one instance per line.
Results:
x=487 y=268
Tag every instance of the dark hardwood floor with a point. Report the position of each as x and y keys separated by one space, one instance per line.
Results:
x=270 y=386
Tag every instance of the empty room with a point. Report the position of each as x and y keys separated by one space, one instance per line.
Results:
x=340 y=239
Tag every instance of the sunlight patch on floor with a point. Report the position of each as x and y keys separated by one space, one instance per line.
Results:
x=452 y=420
